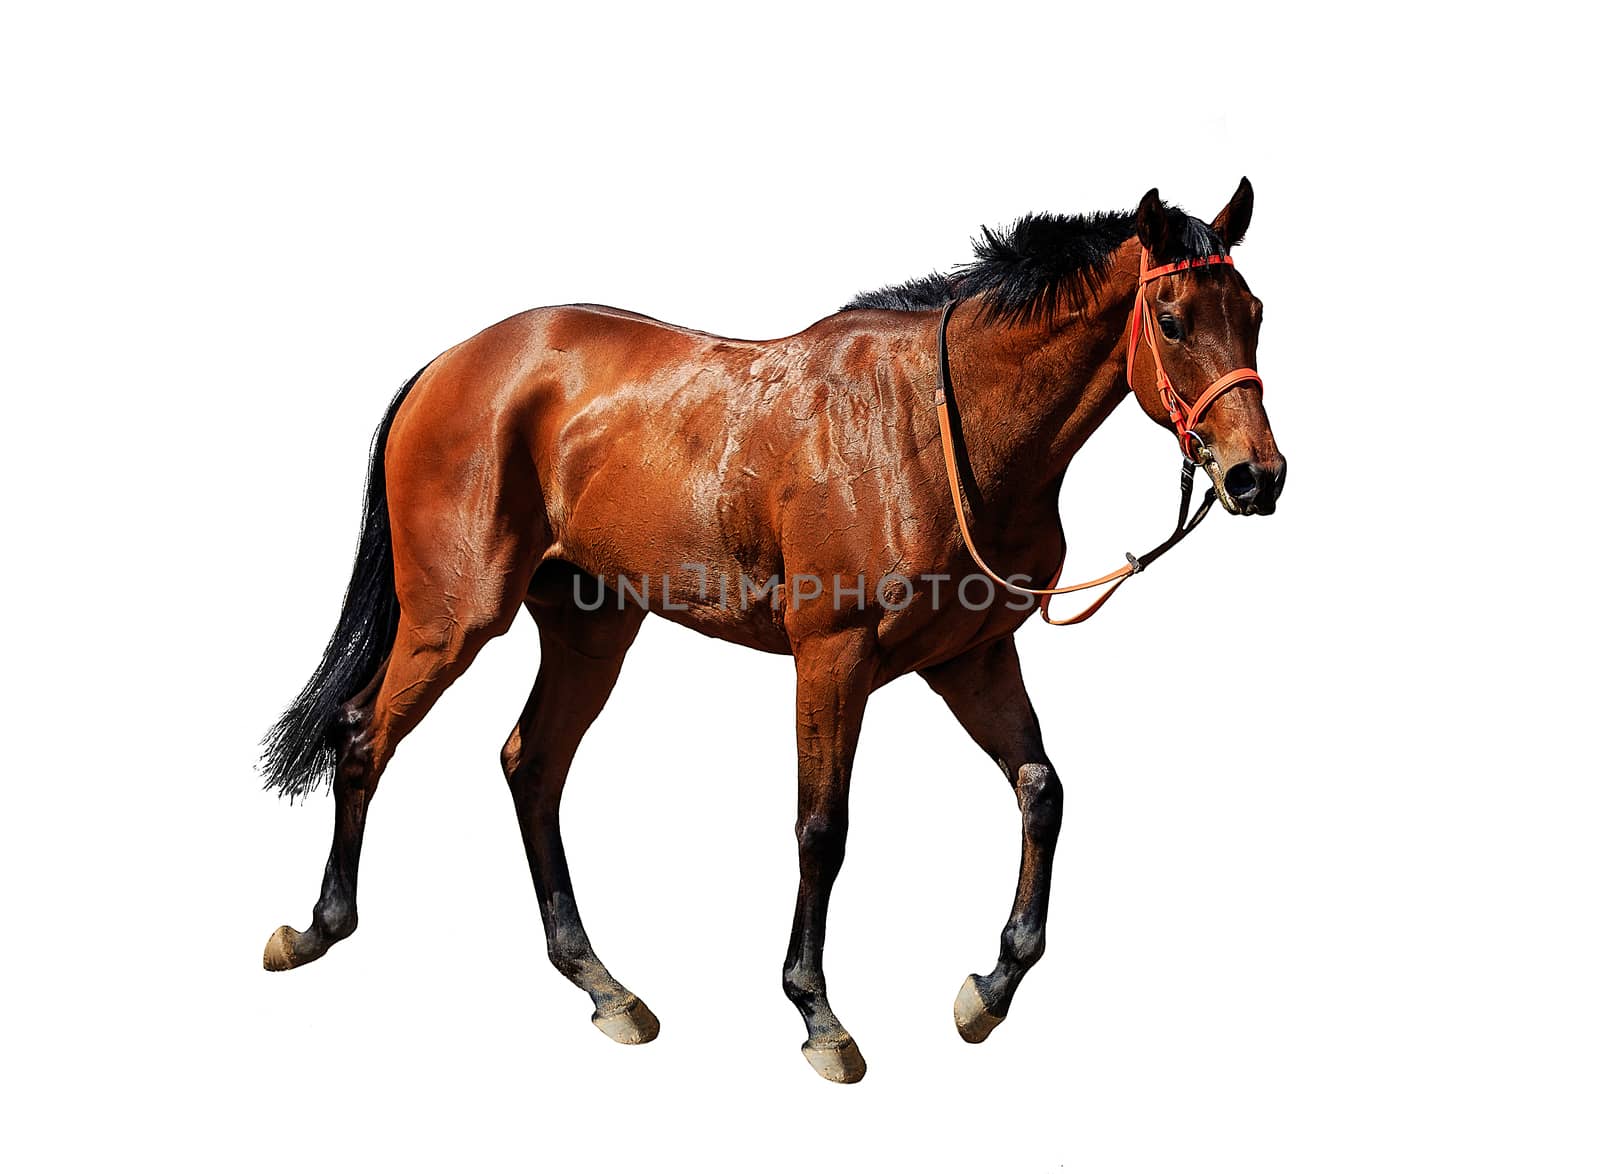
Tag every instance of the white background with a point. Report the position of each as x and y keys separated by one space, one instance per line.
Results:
x=1326 y=892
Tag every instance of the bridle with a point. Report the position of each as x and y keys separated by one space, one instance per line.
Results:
x=1185 y=419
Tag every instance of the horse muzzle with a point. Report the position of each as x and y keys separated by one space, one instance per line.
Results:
x=1250 y=487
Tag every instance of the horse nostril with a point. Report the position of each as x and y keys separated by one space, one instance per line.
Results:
x=1242 y=482
x=1255 y=487
x=1269 y=484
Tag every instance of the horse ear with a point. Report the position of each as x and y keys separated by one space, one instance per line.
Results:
x=1152 y=223
x=1235 y=218
x=1160 y=227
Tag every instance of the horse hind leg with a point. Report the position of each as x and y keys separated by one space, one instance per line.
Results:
x=334 y=916
x=581 y=656
x=427 y=658
x=440 y=631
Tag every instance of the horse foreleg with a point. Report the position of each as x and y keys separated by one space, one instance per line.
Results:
x=984 y=690
x=834 y=680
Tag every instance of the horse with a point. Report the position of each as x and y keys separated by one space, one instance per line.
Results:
x=563 y=460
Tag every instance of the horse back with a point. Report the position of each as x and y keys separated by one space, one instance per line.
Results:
x=653 y=452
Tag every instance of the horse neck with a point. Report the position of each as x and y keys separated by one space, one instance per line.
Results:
x=1029 y=396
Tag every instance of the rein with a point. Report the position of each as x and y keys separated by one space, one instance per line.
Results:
x=1184 y=418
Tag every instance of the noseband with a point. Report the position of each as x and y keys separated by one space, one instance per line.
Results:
x=1185 y=418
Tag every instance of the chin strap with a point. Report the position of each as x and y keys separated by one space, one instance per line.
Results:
x=1112 y=580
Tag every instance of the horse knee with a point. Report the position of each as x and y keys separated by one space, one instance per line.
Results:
x=821 y=834
x=527 y=768
x=1040 y=797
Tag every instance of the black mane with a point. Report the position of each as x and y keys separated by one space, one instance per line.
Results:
x=1028 y=269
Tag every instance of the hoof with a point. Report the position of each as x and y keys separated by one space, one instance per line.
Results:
x=633 y=1024
x=841 y=1063
x=279 y=954
x=974 y=1020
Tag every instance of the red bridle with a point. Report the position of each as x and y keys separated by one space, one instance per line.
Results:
x=1184 y=417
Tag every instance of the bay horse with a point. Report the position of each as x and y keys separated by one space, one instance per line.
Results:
x=561 y=458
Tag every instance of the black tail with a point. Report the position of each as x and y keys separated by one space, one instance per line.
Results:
x=300 y=753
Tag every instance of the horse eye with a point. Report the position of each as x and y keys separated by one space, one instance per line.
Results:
x=1170 y=327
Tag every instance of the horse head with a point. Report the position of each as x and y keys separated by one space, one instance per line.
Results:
x=1192 y=349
